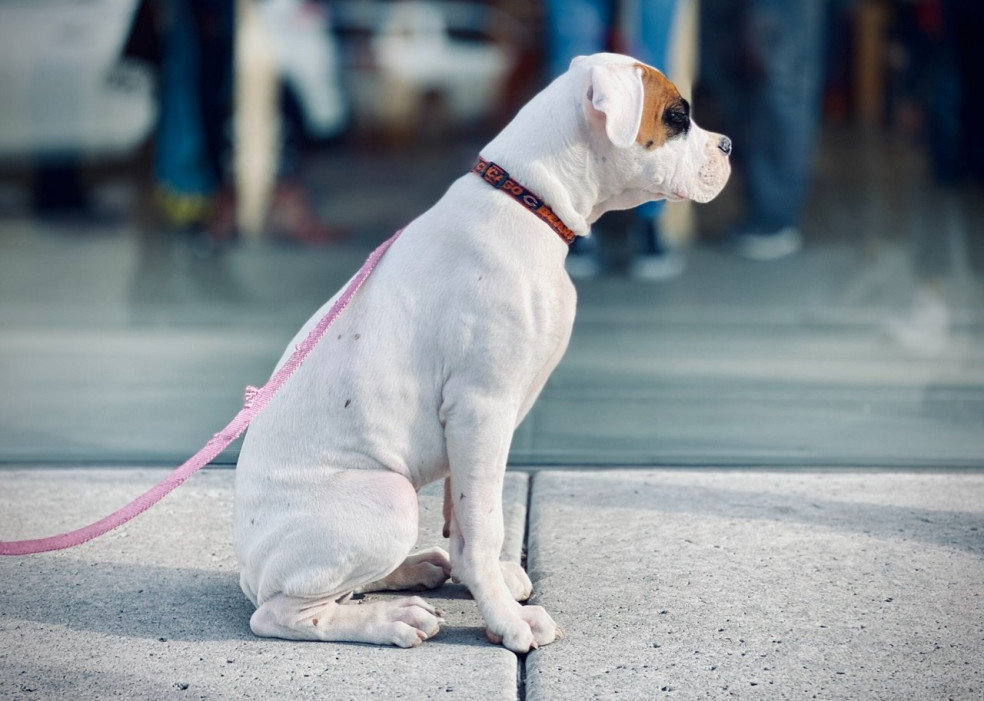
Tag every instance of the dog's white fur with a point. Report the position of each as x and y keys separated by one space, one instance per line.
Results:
x=429 y=371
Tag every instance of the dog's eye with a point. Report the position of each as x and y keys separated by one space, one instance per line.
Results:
x=677 y=118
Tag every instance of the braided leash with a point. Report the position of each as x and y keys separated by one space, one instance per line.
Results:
x=254 y=402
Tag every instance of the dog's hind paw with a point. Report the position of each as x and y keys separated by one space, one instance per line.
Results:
x=430 y=568
x=427 y=569
x=408 y=622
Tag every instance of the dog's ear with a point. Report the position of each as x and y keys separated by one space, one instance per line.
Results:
x=615 y=91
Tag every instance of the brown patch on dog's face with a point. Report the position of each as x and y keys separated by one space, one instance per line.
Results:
x=664 y=113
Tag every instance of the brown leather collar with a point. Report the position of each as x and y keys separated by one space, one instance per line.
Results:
x=497 y=177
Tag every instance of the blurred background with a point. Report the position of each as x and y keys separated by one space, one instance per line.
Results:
x=183 y=183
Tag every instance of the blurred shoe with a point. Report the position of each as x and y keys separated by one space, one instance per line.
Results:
x=584 y=258
x=181 y=210
x=925 y=328
x=293 y=219
x=655 y=260
x=208 y=221
x=61 y=198
x=764 y=245
x=658 y=268
x=217 y=232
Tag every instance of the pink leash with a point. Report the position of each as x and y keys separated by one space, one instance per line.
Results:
x=255 y=401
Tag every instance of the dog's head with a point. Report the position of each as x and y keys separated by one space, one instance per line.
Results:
x=644 y=138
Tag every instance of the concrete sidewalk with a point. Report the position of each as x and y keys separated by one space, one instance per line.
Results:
x=668 y=584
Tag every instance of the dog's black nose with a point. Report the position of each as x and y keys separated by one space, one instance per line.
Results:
x=725 y=145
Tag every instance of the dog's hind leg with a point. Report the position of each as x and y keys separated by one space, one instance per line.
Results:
x=353 y=529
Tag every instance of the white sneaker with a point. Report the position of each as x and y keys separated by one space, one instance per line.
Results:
x=656 y=268
x=925 y=329
x=763 y=246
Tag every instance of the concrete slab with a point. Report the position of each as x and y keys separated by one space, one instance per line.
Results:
x=710 y=585
x=154 y=610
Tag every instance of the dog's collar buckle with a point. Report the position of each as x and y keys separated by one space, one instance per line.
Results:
x=499 y=178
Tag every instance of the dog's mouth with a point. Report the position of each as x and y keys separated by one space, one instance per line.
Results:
x=711 y=179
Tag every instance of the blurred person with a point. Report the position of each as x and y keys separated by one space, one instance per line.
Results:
x=940 y=75
x=639 y=28
x=192 y=154
x=761 y=66
x=195 y=104
x=940 y=81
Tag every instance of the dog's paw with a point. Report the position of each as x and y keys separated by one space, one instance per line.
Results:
x=533 y=628
x=428 y=569
x=520 y=586
x=407 y=622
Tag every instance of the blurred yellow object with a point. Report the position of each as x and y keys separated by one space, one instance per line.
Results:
x=182 y=209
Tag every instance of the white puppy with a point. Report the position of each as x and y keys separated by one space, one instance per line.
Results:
x=436 y=361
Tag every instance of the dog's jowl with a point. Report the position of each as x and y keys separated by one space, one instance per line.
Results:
x=438 y=358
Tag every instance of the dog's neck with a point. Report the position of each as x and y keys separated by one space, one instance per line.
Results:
x=549 y=148
x=499 y=178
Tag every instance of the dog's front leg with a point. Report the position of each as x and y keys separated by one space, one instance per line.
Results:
x=478 y=445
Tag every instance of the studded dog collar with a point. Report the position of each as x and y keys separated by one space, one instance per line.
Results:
x=499 y=178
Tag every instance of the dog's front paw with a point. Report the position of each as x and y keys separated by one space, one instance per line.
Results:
x=517 y=580
x=533 y=628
